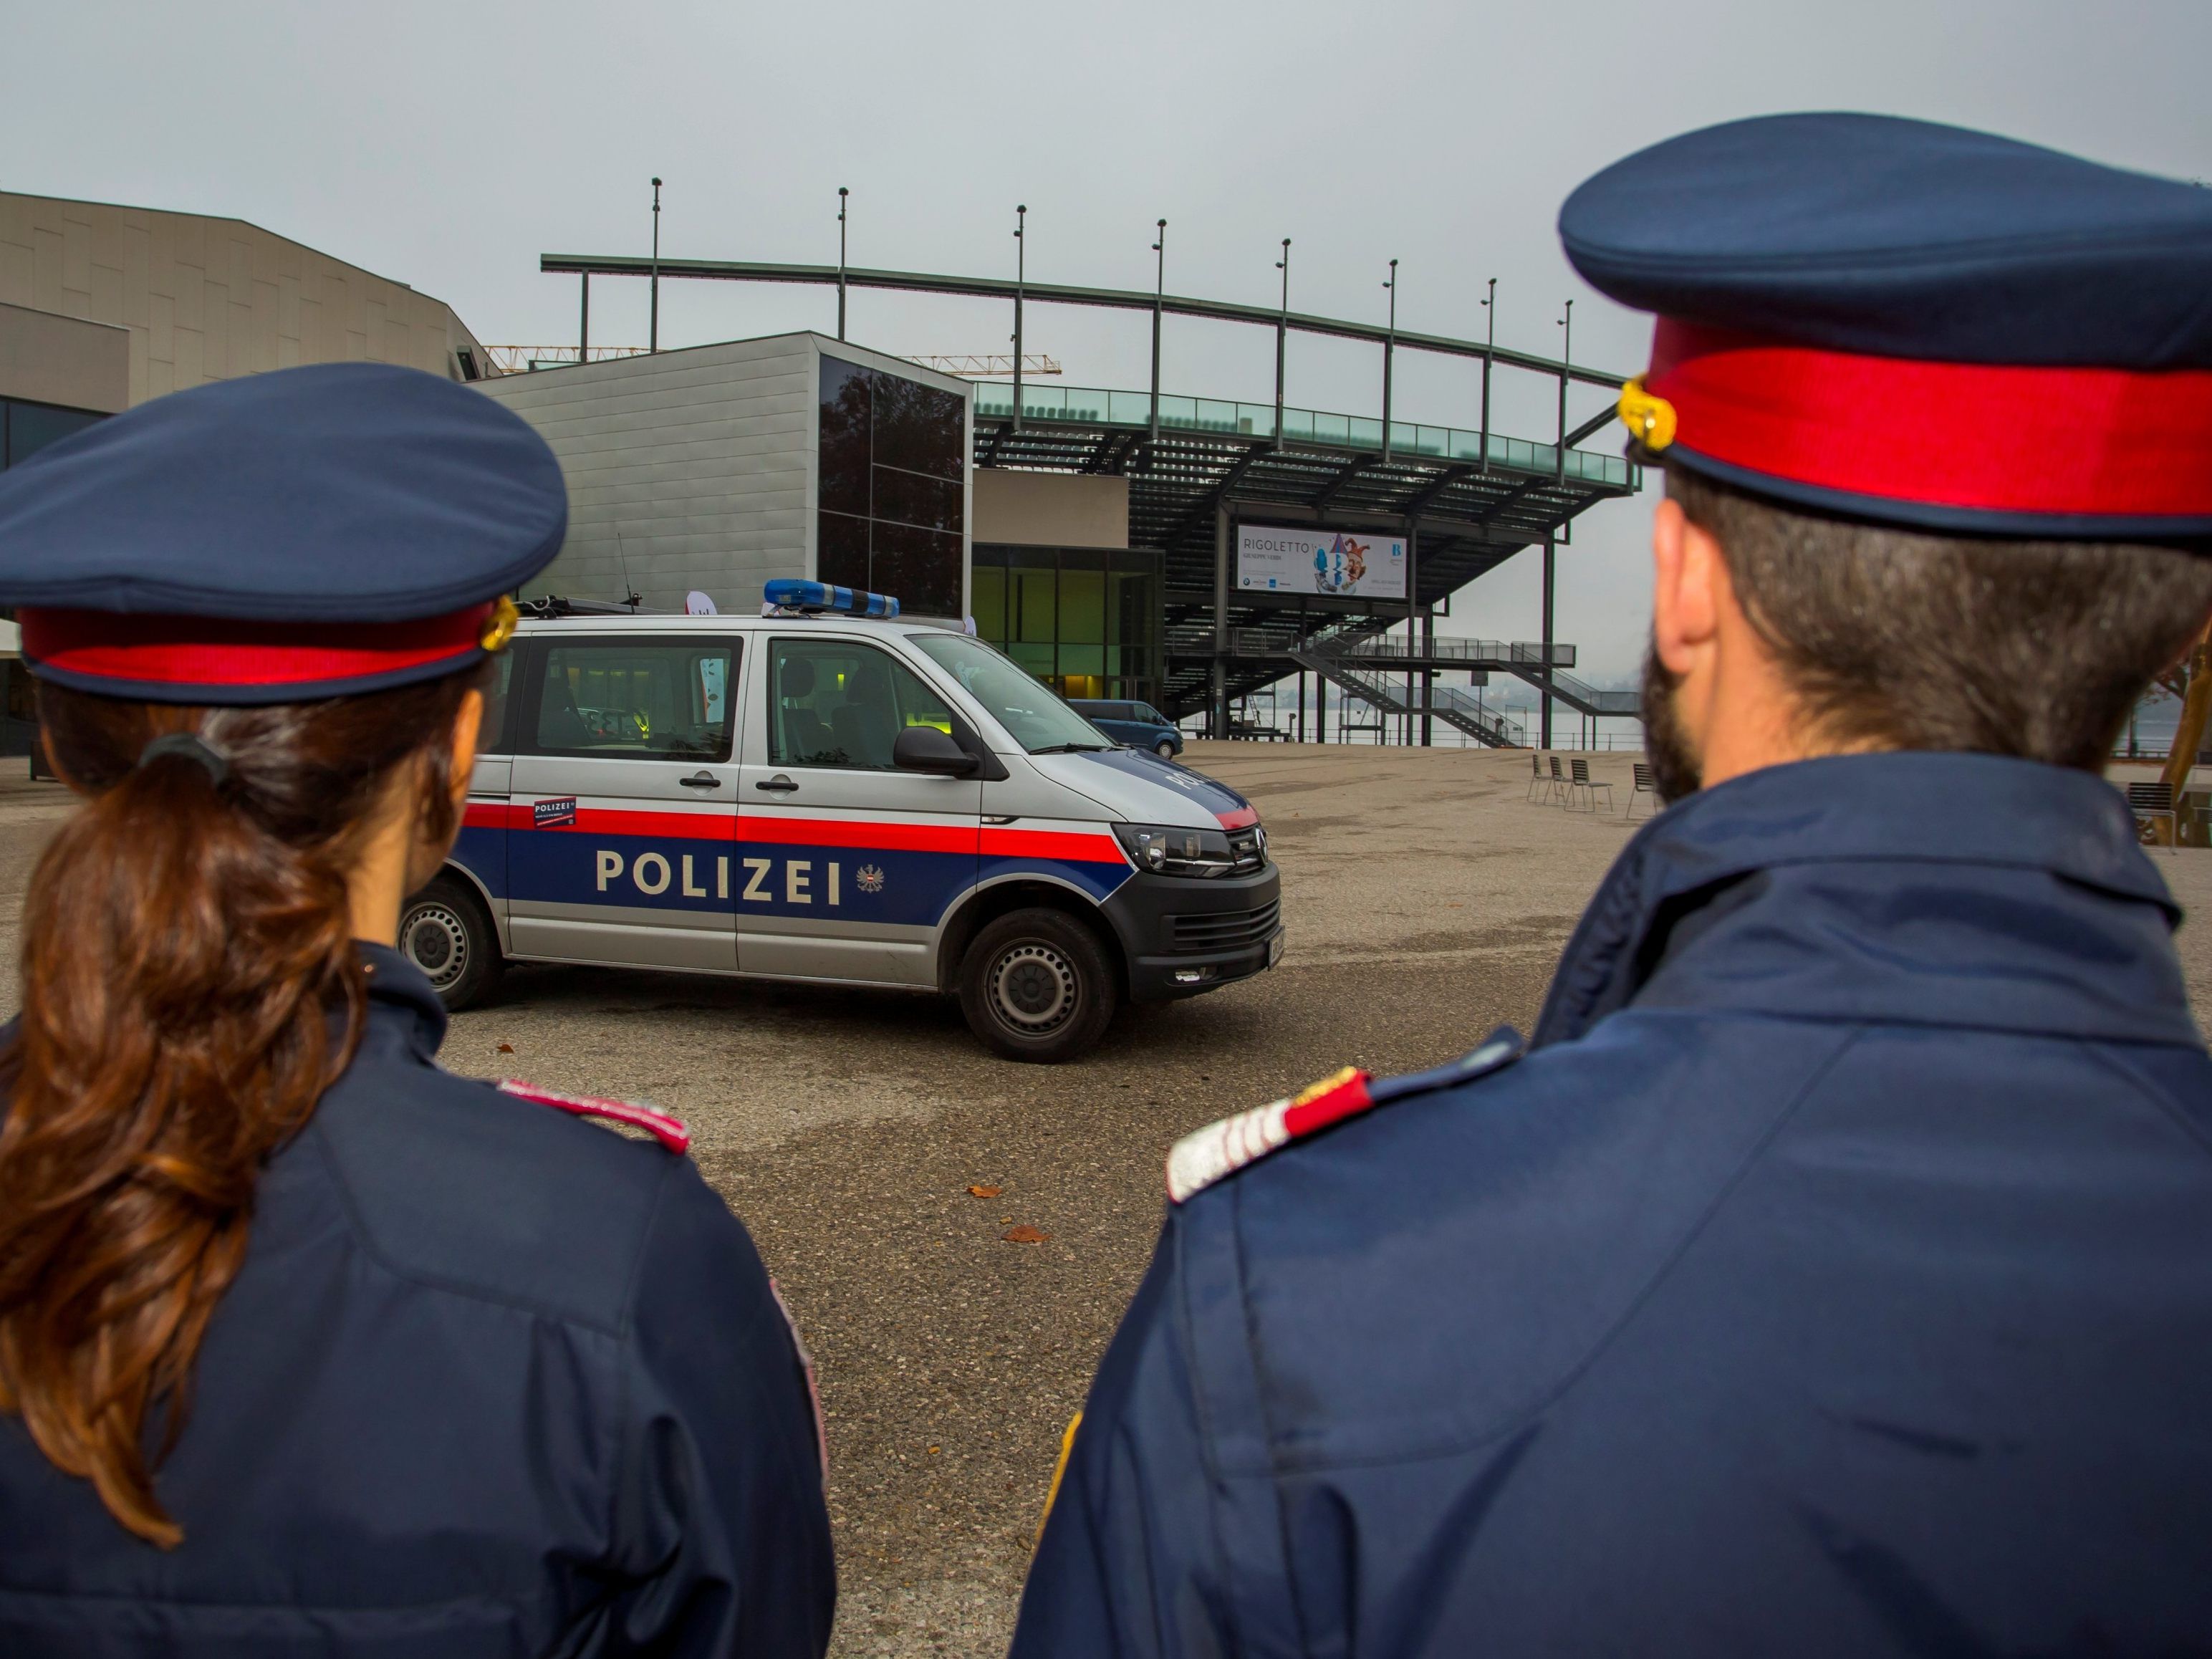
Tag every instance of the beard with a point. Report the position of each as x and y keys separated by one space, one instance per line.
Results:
x=1675 y=768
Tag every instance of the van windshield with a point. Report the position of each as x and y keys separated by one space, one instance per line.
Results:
x=1031 y=711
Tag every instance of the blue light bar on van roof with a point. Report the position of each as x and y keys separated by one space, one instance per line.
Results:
x=790 y=594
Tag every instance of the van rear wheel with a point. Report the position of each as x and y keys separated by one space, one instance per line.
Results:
x=1036 y=985
x=444 y=931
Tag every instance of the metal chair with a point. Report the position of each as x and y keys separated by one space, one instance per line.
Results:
x=1580 y=779
x=1535 y=774
x=1646 y=784
x=2149 y=801
x=1557 y=791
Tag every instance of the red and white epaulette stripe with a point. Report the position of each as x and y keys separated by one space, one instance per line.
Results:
x=668 y=1131
x=1204 y=1155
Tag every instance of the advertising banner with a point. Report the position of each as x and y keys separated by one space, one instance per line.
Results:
x=1354 y=565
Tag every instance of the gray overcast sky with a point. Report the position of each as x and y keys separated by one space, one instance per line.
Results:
x=448 y=144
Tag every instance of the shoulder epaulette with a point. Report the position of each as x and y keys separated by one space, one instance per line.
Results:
x=1204 y=1155
x=668 y=1131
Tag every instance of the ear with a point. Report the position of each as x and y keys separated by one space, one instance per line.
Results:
x=1687 y=575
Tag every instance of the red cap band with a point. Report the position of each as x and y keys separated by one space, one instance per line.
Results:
x=212 y=653
x=2101 y=443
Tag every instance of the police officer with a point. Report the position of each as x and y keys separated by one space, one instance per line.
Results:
x=1833 y=1274
x=307 y=1345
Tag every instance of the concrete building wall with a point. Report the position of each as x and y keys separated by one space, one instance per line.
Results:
x=1051 y=509
x=48 y=359
x=208 y=299
x=691 y=469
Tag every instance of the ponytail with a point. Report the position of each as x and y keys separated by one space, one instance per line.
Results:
x=191 y=987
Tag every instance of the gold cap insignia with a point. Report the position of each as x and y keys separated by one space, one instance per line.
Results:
x=1650 y=420
x=499 y=627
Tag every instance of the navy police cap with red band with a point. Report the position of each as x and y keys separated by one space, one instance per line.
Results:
x=1916 y=324
x=312 y=532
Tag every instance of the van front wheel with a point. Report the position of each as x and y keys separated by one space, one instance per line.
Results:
x=1036 y=985
x=444 y=931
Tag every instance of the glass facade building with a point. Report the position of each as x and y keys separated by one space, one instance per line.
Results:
x=893 y=503
x=1084 y=620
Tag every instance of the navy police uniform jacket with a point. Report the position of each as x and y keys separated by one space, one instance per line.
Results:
x=1833 y=1276
x=492 y=1380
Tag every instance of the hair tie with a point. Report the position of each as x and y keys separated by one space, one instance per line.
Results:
x=192 y=747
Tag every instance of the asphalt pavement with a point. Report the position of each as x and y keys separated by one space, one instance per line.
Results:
x=881 y=1157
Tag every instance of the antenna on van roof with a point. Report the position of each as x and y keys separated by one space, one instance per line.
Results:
x=631 y=597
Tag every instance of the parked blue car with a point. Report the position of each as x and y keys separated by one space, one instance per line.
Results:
x=1137 y=724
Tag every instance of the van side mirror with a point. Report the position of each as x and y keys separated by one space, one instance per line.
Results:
x=926 y=749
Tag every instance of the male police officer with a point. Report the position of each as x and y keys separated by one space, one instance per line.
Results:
x=1834 y=1275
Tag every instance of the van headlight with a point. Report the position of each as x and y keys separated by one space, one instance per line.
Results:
x=1171 y=850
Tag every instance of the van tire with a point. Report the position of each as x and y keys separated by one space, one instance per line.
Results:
x=1036 y=985
x=1164 y=750
x=445 y=932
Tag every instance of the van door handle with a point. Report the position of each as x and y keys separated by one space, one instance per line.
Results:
x=780 y=783
x=701 y=780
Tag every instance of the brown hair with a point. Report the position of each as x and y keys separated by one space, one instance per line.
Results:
x=1898 y=638
x=189 y=988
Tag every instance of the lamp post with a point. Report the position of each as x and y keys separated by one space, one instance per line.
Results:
x=841 y=194
x=1021 y=269
x=1159 y=296
x=653 y=329
x=1567 y=357
x=1489 y=356
x=1390 y=351
x=1282 y=334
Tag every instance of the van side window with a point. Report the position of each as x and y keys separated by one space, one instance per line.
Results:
x=492 y=737
x=838 y=702
x=1146 y=712
x=636 y=699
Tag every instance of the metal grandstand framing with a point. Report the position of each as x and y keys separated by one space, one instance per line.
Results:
x=1467 y=502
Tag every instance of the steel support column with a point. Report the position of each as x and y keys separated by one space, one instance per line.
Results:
x=1544 y=740
x=584 y=324
x=1221 y=620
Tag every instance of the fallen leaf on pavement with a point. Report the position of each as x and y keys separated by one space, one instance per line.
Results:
x=1026 y=1234
x=983 y=1191
x=506 y=1048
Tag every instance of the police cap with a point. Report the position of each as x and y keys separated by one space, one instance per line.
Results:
x=312 y=532
x=1916 y=324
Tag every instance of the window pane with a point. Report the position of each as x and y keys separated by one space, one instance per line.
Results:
x=32 y=426
x=836 y=703
x=918 y=427
x=910 y=498
x=986 y=593
x=643 y=702
x=920 y=568
x=844 y=431
x=841 y=552
x=493 y=739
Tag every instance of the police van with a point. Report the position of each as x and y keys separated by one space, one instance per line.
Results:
x=827 y=793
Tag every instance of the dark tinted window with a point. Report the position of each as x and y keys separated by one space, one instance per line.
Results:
x=892 y=472
x=26 y=428
x=918 y=427
x=846 y=422
x=841 y=550
x=919 y=568
x=636 y=700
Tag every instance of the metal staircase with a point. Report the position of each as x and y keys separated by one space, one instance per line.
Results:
x=1448 y=703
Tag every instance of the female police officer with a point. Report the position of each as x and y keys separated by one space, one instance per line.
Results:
x=305 y=1344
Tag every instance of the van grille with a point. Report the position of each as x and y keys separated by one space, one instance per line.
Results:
x=1223 y=930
